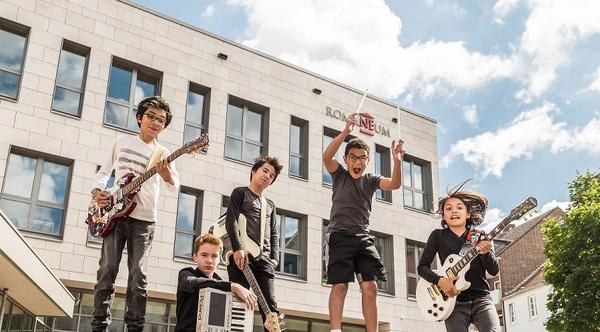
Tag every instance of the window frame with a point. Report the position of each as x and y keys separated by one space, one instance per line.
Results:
x=419 y=247
x=80 y=50
x=23 y=31
x=426 y=178
x=304 y=145
x=247 y=106
x=512 y=314
x=387 y=261
x=302 y=252
x=205 y=92
x=40 y=158
x=532 y=306
x=199 y=194
x=386 y=171
x=131 y=105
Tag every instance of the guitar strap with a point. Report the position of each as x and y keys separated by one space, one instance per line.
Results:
x=263 y=220
x=156 y=154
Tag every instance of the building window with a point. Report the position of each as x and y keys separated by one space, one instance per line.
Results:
x=512 y=313
x=224 y=204
x=70 y=79
x=383 y=168
x=13 y=42
x=497 y=285
x=532 y=306
x=160 y=316
x=127 y=86
x=384 y=246
x=414 y=251
x=292 y=245
x=299 y=148
x=246 y=134
x=417 y=184
x=189 y=217
x=196 y=112
x=328 y=136
x=15 y=318
x=35 y=192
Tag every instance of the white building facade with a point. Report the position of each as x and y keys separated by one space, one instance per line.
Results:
x=71 y=73
x=526 y=311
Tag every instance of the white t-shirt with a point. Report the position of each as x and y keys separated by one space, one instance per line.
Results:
x=131 y=155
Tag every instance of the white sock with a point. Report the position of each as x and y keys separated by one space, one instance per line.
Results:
x=340 y=330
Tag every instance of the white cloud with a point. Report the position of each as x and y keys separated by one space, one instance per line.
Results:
x=503 y=7
x=529 y=131
x=208 y=11
x=492 y=217
x=552 y=29
x=595 y=85
x=554 y=203
x=357 y=42
x=470 y=114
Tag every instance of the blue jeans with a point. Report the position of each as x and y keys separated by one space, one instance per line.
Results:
x=138 y=235
x=480 y=312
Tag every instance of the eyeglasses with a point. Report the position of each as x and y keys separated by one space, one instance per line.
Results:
x=353 y=158
x=152 y=117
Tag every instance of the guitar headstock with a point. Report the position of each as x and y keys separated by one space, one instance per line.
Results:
x=524 y=207
x=272 y=322
x=199 y=143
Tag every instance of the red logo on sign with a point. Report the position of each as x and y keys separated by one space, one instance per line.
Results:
x=367 y=124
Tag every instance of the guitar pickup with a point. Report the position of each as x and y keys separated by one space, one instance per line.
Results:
x=429 y=289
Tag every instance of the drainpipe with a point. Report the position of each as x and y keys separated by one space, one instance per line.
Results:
x=3 y=305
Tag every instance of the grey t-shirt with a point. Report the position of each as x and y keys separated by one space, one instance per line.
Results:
x=351 y=201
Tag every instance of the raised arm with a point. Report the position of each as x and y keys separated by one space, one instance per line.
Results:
x=397 y=155
x=328 y=156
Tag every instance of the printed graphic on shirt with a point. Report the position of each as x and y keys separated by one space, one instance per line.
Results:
x=132 y=161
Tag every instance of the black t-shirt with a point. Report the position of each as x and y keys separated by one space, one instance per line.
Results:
x=189 y=282
x=244 y=201
x=444 y=242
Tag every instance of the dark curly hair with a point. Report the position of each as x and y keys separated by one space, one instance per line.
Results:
x=357 y=143
x=153 y=102
x=261 y=160
x=476 y=204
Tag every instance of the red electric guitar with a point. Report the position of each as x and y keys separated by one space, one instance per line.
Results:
x=101 y=221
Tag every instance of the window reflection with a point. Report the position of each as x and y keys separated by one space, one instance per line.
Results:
x=19 y=175
x=11 y=52
x=71 y=67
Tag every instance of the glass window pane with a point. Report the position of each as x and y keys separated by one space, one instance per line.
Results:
x=408 y=201
x=411 y=286
x=295 y=164
x=295 y=325
x=16 y=319
x=119 y=84
x=173 y=314
x=186 y=211
x=410 y=259
x=115 y=325
x=11 y=52
x=191 y=133
x=144 y=87
x=234 y=120
x=132 y=123
x=66 y=101
x=195 y=108
x=418 y=179
x=378 y=169
x=292 y=233
x=70 y=70
x=233 y=148
x=17 y=212
x=419 y=201
x=254 y=126
x=47 y=220
x=251 y=151
x=116 y=114
x=291 y=264
x=155 y=328
x=66 y=323
x=156 y=312
x=319 y=327
x=295 y=132
x=54 y=183
x=19 y=175
x=9 y=84
x=184 y=244
x=407 y=178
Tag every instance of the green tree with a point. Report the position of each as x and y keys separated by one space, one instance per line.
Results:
x=573 y=264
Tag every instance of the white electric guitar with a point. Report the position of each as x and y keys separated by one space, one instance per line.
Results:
x=433 y=303
x=272 y=320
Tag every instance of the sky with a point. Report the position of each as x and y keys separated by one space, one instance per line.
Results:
x=514 y=85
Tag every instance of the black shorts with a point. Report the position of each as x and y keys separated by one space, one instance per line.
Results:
x=350 y=254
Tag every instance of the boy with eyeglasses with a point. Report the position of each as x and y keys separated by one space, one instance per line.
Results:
x=350 y=249
x=132 y=154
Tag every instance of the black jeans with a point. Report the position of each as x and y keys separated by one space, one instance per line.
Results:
x=264 y=272
x=138 y=235
x=480 y=312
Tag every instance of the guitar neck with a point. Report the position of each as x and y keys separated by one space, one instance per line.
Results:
x=259 y=295
x=148 y=174
x=514 y=214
